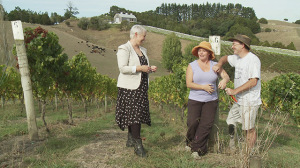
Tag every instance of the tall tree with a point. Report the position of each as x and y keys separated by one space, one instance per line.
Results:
x=71 y=10
x=171 y=52
x=291 y=46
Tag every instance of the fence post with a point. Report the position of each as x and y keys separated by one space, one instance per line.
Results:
x=25 y=79
x=214 y=142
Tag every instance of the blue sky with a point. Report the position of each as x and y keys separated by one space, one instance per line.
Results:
x=269 y=9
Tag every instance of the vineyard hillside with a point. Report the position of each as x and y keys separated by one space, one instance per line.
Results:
x=281 y=31
x=75 y=40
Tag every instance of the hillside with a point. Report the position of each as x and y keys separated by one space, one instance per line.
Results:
x=283 y=32
x=111 y=39
x=75 y=40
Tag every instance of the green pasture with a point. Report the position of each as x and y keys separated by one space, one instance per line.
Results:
x=164 y=140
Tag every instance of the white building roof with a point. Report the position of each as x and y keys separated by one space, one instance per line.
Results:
x=126 y=15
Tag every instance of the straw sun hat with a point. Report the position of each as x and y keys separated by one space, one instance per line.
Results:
x=205 y=45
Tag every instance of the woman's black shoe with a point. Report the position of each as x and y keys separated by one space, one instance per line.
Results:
x=130 y=142
x=138 y=148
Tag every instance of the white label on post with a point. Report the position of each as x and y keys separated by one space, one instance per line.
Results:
x=215 y=42
x=17 y=30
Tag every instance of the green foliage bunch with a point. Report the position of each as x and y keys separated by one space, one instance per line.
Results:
x=56 y=18
x=29 y=16
x=13 y=87
x=297 y=22
x=71 y=11
x=83 y=23
x=290 y=46
x=240 y=29
x=225 y=101
x=171 y=89
x=41 y=18
x=10 y=83
x=45 y=59
x=268 y=30
x=68 y=23
x=83 y=75
x=171 y=51
x=98 y=23
x=105 y=86
x=188 y=56
x=94 y=23
x=200 y=19
x=115 y=9
x=283 y=93
x=125 y=25
x=263 y=21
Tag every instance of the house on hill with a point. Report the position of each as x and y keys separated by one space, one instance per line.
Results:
x=119 y=17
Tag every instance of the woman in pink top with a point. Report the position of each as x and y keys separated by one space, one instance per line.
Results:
x=203 y=98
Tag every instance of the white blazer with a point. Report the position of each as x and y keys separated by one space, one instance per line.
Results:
x=128 y=59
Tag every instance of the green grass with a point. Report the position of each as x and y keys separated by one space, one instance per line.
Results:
x=164 y=140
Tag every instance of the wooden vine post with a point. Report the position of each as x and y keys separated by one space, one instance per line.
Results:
x=25 y=79
x=214 y=143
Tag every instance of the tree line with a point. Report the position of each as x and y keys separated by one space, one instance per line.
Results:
x=196 y=19
x=204 y=20
x=43 y=18
x=199 y=19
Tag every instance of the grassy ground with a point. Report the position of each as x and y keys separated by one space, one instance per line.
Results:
x=96 y=141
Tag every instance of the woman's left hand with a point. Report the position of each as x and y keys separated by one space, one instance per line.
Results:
x=153 y=68
x=222 y=84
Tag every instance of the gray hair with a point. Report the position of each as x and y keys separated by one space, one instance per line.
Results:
x=137 y=29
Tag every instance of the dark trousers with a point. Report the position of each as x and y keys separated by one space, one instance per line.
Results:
x=200 y=121
x=135 y=130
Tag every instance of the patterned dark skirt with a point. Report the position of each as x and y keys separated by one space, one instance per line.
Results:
x=133 y=105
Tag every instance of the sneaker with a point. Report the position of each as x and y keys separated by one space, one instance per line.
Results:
x=187 y=148
x=195 y=155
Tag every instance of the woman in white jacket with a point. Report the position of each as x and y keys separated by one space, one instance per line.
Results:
x=132 y=107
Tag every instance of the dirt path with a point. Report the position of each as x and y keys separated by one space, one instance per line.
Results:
x=109 y=145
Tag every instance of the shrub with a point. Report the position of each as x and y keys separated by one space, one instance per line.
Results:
x=188 y=56
x=291 y=46
x=171 y=51
x=98 y=23
x=283 y=93
x=263 y=21
x=240 y=29
x=67 y=23
x=265 y=43
x=297 y=22
x=268 y=30
x=125 y=25
x=83 y=23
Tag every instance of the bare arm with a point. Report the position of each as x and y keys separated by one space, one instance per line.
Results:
x=221 y=62
x=246 y=86
x=225 y=79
